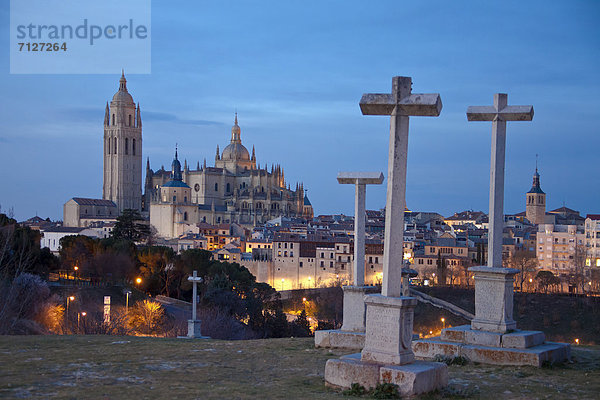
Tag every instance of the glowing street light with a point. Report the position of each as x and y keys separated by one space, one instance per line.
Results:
x=127 y=293
x=138 y=280
x=577 y=342
x=304 y=299
x=69 y=300
x=444 y=323
x=309 y=281
x=82 y=314
x=282 y=280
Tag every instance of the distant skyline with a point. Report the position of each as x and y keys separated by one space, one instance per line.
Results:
x=295 y=73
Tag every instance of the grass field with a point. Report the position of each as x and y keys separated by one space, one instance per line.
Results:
x=110 y=367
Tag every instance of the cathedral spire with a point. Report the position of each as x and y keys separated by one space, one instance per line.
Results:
x=198 y=166
x=217 y=156
x=123 y=81
x=176 y=168
x=253 y=154
x=236 y=131
x=148 y=164
x=106 y=115
x=204 y=163
x=139 y=117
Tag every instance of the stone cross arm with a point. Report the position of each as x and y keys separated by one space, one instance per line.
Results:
x=360 y=178
x=500 y=111
x=426 y=105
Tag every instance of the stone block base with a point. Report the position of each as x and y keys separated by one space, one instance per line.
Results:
x=338 y=339
x=534 y=356
x=193 y=330
x=414 y=378
x=516 y=339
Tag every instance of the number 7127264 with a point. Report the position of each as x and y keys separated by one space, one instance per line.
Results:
x=42 y=46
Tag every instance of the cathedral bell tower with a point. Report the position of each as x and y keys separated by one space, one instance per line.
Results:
x=535 y=209
x=123 y=150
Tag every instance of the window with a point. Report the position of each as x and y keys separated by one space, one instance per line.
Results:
x=370 y=260
x=115 y=146
x=185 y=199
x=291 y=245
x=285 y=245
x=126 y=145
x=322 y=264
x=279 y=245
x=340 y=258
x=300 y=264
x=174 y=199
x=330 y=264
x=322 y=255
x=113 y=119
x=185 y=216
x=285 y=253
x=216 y=187
x=291 y=254
x=129 y=119
x=133 y=147
x=228 y=188
x=376 y=260
x=108 y=146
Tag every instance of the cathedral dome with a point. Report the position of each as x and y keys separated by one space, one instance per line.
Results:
x=235 y=151
x=123 y=95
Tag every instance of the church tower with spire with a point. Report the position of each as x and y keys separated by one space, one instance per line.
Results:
x=123 y=150
x=535 y=209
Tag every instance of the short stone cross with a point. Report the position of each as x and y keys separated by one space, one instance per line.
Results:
x=399 y=105
x=194 y=324
x=360 y=180
x=494 y=284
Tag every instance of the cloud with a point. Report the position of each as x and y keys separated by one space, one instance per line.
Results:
x=95 y=114
x=166 y=117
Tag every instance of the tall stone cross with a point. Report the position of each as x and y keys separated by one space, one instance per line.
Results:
x=195 y=279
x=399 y=105
x=499 y=113
x=360 y=180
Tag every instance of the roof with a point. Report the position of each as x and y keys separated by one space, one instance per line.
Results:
x=93 y=202
x=173 y=183
x=63 y=229
x=594 y=217
x=536 y=189
x=306 y=201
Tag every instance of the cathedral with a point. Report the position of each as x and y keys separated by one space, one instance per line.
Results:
x=235 y=190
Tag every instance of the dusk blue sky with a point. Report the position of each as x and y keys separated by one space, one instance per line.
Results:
x=295 y=72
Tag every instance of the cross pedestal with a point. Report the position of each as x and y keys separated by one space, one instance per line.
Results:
x=352 y=334
x=492 y=337
x=194 y=323
x=387 y=356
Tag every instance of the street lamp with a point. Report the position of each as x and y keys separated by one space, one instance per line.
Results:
x=138 y=280
x=444 y=323
x=282 y=280
x=309 y=281
x=76 y=268
x=127 y=293
x=69 y=299
x=83 y=314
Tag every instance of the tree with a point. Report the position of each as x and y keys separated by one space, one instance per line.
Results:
x=148 y=317
x=157 y=269
x=131 y=225
x=546 y=279
x=301 y=327
x=526 y=262
x=578 y=267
